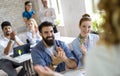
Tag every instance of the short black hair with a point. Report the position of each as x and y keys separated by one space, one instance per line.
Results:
x=44 y=24
x=5 y=23
x=27 y=2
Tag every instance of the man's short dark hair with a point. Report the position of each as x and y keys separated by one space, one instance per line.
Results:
x=5 y=23
x=44 y=24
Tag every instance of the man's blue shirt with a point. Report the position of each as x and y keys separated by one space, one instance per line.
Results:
x=41 y=57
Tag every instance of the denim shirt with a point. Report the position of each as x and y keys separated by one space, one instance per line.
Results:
x=41 y=57
x=92 y=39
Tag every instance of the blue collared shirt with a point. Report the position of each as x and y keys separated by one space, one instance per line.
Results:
x=41 y=57
x=92 y=39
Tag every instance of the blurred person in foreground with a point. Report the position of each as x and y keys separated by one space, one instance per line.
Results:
x=103 y=60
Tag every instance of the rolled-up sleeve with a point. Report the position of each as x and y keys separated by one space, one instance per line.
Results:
x=37 y=58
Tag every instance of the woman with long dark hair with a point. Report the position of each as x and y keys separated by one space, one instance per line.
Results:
x=28 y=13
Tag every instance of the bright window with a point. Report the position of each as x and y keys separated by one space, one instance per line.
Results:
x=56 y=4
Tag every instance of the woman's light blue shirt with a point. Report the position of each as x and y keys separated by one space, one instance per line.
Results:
x=92 y=39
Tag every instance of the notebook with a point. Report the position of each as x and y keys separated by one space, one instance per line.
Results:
x=20 y=50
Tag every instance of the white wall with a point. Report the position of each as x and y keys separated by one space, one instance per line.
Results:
x=72 y=12
x=11 y=10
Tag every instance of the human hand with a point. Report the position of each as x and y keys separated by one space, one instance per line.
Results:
x=45 y=71
x=60 y=56
x=12 y=35
x=61 y=53
x=83 y=49
x=56 y=60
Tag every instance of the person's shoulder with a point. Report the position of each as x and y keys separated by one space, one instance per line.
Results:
x=94 y=36
x=24 y=12
x=100 y=49
x=39 y=45
x=1 y=36
x=59 y=41
x=75 y=40
x=32 y=11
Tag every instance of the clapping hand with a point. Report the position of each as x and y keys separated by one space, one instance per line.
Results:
x=60 y=56
x=12 y=35
x=83 y=49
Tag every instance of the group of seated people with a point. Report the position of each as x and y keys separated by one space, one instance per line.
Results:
x=29 y=16
x=48 y=51
x=50 y=54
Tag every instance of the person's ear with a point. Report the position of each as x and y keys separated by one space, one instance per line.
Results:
x=40 y=34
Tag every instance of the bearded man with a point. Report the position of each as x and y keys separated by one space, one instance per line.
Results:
x=50 y=52
x=9 y=40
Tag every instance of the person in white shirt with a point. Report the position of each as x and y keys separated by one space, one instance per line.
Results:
x=103 y=60
x=7 y=41
x=32 y=33
x=48 y=14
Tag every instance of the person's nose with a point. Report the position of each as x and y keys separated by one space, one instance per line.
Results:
x=8 y=29
x=86 y=29
x=49 y=34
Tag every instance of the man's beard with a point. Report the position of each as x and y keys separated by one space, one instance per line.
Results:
x=48 y=41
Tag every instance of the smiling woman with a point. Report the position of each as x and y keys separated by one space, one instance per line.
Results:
x=28 y=13
x=85 y=40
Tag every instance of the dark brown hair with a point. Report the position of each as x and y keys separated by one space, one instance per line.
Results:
x=44 y=24
x=5 y=23
x=85 y=17
x=26 y=3
x=111 y=25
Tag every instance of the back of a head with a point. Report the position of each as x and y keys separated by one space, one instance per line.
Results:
x=44 y=24
x=5 y=23
x=111 y=25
